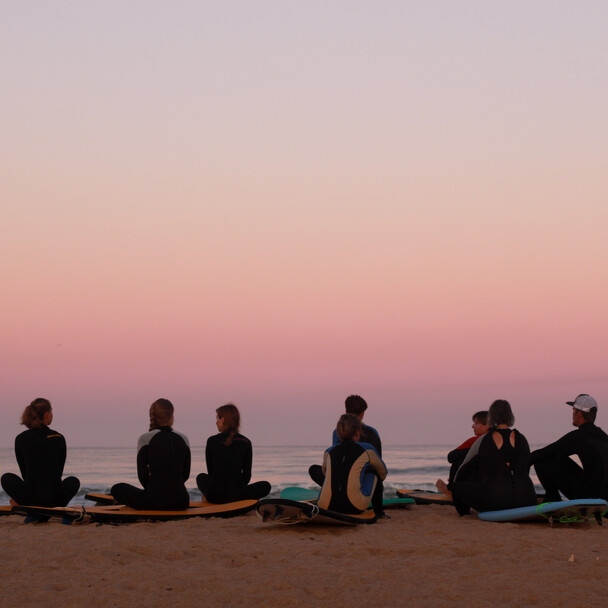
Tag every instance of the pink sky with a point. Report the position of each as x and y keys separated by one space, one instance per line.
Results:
x=282 y=204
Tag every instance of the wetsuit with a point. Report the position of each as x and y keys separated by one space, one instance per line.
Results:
x=163 y=467
x=557 y=472
x=229 y=471
x=368 y=435
x=40 y=454
x=351 y=470
x=456 y=458
x=495 y=478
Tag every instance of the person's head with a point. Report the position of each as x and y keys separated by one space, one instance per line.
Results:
x=584 y=409
x=349 y=427
x=161 y=414
x=38 y=413
x=500 y=413
x=355 y=405
x=480 y=423
x=228 y=419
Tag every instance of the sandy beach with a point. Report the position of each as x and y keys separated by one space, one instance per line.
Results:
x=422 y=556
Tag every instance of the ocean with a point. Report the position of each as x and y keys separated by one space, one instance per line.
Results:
x=99 y=468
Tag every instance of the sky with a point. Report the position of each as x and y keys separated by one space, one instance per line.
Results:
x=280 y=203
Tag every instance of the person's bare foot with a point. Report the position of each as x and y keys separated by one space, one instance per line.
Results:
x=443 y=488
x=13 y=503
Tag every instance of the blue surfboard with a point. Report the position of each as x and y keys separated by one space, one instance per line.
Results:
x=566 y=511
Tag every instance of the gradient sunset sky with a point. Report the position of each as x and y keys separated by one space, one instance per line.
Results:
x=282 y=203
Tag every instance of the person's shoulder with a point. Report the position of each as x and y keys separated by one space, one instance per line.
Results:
x=367 y=446
x=370 y=430
x=465 y=445
x=184 y=437
x=146 y=438
x=239 y=437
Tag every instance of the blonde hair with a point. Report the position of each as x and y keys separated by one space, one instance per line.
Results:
x=161 y=412
x=33 y=414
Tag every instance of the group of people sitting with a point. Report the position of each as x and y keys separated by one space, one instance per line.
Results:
x=348 y=475
x=489 y=471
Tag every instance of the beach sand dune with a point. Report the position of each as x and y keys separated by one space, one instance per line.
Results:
x=423 y=556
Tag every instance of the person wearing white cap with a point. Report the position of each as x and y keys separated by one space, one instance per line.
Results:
x=557 y=472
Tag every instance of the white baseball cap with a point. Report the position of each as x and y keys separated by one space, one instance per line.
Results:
x=583 y=402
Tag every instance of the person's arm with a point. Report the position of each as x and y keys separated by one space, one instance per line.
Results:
x=247 y=461
x=61 y=455
x=565 y=446
x=20 y=456
x=377 y=463
x=470 y=462
x=522 y=455
x=457 y=455
x=187 y=464
x=325 y=462
x=143 y=471
x=209 y=456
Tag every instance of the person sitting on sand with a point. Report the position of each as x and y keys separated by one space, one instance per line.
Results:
x=557 y=472
x=494 y=474
x=229 y=456
x=163 y=465
x=457 y=455
x=354 y=404
x=351 y=469
x=40 y=453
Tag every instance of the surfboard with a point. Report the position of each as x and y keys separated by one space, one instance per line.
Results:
x=284 y=511
x=297 y=493
x=421 y=497
x=108 y=499
x=6 y=509
x=122 y=513
x=566 y=511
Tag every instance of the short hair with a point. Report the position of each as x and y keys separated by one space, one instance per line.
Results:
x=590 y=415
x=348 y=426
x=481 y=417
x=500 y=413
x=355 y=405
x=161 y=412
x=33 y=414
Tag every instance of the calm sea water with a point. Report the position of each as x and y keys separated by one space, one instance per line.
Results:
x=99 y=468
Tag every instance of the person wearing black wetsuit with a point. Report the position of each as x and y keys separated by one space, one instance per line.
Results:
x=351 y=469
x=163 y=466
x=557 y=472
x=354 y=404
x=41 y=454
x=228 y=456
x=495 y=473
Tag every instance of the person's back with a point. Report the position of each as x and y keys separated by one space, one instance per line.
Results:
x=163 y=466
x=229 y=457
x=351 y=470
x=558 y=472
x=229 y=462
x=40 y=453
x=494 y=474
